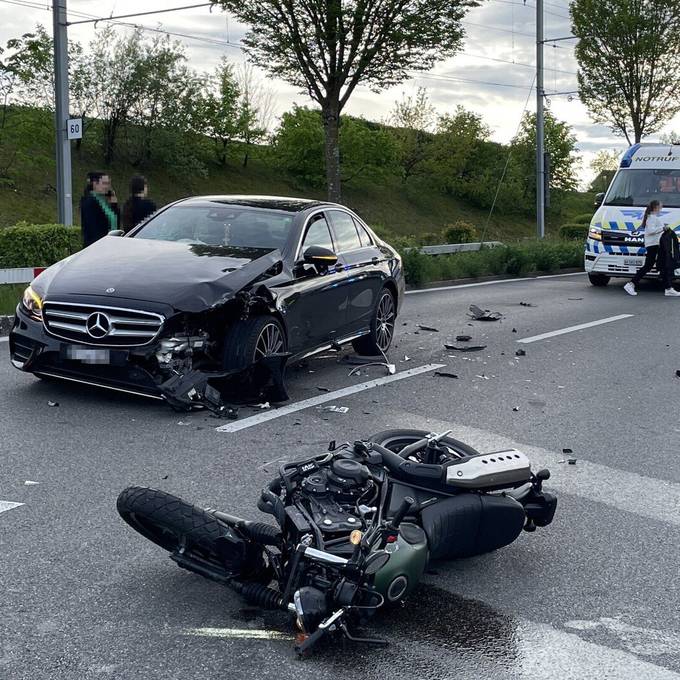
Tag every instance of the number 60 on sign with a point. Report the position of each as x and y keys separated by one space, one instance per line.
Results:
x=74 y=128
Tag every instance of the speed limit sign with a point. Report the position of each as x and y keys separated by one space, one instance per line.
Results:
x=74 y=128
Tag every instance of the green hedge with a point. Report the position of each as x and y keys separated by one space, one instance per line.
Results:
x=574 y=231
x=37 y=245
x=510 y=260
x=583 y=218
x=460 y=232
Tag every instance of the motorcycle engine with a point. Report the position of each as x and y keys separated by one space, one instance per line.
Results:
x=333 y=493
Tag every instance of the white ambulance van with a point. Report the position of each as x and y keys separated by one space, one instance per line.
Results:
x=616 y=243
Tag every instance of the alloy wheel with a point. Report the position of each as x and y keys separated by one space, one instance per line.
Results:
x=269 y=342
x=384 y=323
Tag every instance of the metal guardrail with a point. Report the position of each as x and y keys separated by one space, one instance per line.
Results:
x=448 y=248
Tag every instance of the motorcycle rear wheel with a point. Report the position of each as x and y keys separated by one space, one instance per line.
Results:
x=396 y=440
x=171 y=523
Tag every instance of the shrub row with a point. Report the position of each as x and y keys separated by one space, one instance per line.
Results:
x=37 y=245
x=511 y=260
x=574 y=231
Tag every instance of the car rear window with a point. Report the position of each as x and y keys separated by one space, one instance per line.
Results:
x=220 y=225
x=345 y=231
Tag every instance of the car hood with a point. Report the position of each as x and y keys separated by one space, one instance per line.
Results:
x=189 y=277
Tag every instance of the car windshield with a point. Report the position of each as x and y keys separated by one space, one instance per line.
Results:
x=220 y=225
x=639 y=187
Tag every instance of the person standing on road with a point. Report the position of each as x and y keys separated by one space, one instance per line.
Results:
x=653 y=227
x=98 y=208
x=138 y=207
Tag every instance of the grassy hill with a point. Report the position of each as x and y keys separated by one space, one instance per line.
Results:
x=392 y=205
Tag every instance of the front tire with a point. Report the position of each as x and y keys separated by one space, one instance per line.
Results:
x=253 y=339
x=378 y=341
x=599 y=280
x=396 y=440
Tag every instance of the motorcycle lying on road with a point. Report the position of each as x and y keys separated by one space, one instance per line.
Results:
x=355 y=526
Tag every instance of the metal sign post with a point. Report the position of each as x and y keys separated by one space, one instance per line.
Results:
x=63 y=144
x=540 y=129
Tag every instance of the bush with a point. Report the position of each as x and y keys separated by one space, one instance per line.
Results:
x=574 y=231
x=583 y=218
x=429 y=239
x=460 y=232
x=37 y=245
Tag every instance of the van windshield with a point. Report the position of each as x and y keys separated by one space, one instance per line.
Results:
x=639 y=187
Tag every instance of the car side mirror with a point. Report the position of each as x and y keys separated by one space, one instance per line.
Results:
x=321 y=258
x=116 y=232
x=599 y=199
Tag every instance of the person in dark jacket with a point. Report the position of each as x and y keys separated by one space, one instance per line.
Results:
x=98 y=208
x=138 y=207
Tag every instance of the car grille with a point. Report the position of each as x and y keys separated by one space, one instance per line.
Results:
x=101 y=325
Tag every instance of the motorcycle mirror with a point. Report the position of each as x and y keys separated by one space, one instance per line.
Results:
x=376 y=561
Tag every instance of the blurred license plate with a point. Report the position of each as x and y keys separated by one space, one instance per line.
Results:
x=88 y=355
x=633 y=261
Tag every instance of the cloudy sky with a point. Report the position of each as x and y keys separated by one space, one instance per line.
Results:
x=492 y=75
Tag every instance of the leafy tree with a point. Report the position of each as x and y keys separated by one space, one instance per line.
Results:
x=604 y=164
x=629 y=62
x=560 y=144
x=455 y=158
x=255 y=110
x=366 y=149
x=412 y=120
x=328 y=47
x=671 y=137
x=220 y=106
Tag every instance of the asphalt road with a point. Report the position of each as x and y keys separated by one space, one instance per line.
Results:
x=595 y=595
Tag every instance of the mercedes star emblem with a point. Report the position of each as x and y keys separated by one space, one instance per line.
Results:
x=98 y=325
x=110 y=290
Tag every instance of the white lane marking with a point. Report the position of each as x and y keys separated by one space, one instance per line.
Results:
x=8 y=505
x=571 y=329
x=323 y=398
x=239 y=633
x=636 y=639
x=626 y=491
x=490 y=283
x=4 y=338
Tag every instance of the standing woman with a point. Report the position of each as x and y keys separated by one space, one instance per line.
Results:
x=138 y=206
x=98 y=208
x=654 y=227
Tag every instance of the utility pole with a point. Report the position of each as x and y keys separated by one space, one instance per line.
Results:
x=63 y=144
x=540 y=127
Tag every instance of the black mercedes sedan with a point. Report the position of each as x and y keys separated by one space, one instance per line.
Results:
x=208 y=287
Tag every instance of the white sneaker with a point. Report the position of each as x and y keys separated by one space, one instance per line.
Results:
x=671 y=292
x=630 y=288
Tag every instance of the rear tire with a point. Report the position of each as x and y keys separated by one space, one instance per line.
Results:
x=599 y=279
x=396 y=440
x=378 y=341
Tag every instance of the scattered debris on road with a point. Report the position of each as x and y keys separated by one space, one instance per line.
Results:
x=432 y=329
x=391 y=368
x=463 y=338
x=520 y=353
x=264 y=405
x=406 y=358
x=527 y=304
x=322 y=389
x=482 y=376
x=29 y=482
x=574 y=299
x=515 y=408
x=445 y=374
x=466 y=348
x=479 y=314
x=571 y=461
x=514 y=330
x=567 y=451
x=333 y=409
x=53 y=404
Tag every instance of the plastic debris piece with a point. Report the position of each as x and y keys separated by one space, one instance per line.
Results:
x=53 y=403
x=432 y=329
x=463 y=338
x=406 y=357
x=527 y=304
x=479 y=314
x=520 y=353
x=445 y=374
x=571 y=461
x=181 y=422
x=515 y=408
x=264 y=405
x=164 y=477
x=677 y=375
x=29 y=482
x=574 y=299
x=482 y=376
x=466 y=348
x=567 y=451
x=322 y=389
x=334 y=409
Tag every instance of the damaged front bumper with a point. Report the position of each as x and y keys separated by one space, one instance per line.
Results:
x=158 y=370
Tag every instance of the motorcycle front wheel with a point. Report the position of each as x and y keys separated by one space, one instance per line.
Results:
x=174 y=524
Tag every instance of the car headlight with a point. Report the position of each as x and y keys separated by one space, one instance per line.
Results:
x=595 y=233
x=32 y=303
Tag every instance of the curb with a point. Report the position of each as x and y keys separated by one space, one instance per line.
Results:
x=499 y=277
x=6 y=324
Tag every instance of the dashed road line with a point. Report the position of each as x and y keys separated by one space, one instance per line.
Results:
x=571 y=329
x=324 y=398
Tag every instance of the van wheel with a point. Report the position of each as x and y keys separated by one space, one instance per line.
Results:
x=599 y=279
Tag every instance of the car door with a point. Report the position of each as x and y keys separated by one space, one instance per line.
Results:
x=315 y=306
x=361 y=257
